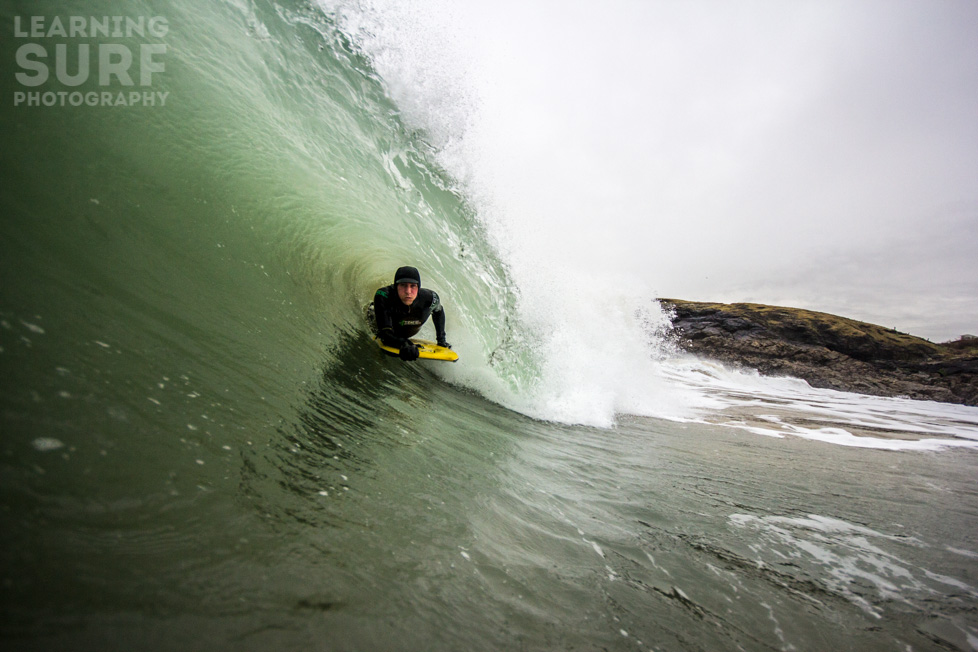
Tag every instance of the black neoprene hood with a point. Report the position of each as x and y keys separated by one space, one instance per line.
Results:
x=407 y=275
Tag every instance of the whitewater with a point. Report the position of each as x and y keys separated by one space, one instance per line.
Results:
x=203 y=449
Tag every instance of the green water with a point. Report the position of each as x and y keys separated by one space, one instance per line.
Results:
x=202 y=449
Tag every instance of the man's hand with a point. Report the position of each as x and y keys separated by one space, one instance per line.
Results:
x=408 y=352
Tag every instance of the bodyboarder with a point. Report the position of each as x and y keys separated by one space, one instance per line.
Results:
x=400 y=309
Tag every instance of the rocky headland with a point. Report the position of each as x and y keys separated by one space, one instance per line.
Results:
x=828 y=351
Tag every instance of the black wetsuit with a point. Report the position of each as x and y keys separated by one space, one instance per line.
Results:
x=397 y=322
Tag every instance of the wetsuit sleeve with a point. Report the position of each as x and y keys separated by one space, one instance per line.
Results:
x=438 y=317
x=385 y=325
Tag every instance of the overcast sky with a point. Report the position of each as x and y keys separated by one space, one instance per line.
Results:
x=814 y=153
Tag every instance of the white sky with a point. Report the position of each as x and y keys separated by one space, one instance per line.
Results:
x=815 y=153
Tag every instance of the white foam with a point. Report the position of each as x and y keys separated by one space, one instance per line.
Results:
x=850 y=555
x=778 y=407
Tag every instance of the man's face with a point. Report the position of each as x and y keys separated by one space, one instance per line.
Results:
x=407 y=292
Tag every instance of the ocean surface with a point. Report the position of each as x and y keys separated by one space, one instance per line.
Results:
x=202 y=449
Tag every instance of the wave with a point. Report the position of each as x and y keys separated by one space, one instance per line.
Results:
x=305 y=143
x=304 y=152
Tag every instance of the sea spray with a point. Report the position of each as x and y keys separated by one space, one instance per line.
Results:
x=587 y=335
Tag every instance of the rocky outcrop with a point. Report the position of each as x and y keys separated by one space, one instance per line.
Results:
x=827 y=351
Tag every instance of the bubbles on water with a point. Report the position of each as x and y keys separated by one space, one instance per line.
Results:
x=45 y=444
x=857 y=562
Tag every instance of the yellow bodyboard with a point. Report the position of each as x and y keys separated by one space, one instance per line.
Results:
x=427 y=350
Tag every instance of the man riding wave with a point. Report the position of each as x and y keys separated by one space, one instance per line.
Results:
x=400 y=309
